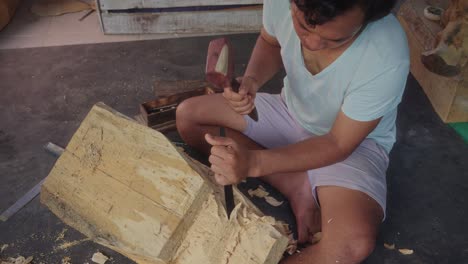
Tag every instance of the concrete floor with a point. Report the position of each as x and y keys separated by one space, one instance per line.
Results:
x=46 y=92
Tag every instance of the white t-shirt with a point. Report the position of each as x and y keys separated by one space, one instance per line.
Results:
x=366 y=82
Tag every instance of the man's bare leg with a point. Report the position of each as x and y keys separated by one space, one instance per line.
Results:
x=200 y=115
x=296 y=188
x=350 y=222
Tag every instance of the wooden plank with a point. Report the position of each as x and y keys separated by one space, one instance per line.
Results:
x=246 y=20
x=128 y=188
x=129 y=4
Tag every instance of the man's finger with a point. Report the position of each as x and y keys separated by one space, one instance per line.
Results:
x=221 y=180
x=243 y=102
x=242 y=109
x=246 y=112
x=215 y=160
x=217 y=170
x=222 y=152
x=218 y=141
x=230 y=95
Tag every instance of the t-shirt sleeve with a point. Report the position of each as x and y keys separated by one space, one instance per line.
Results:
x=376 y=97
x=269 y=17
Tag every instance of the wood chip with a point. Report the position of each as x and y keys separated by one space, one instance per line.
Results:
x=99 y=258
x=405 y=251
x=3 y=247
x=388 y=246
x=61 y=236
x=259 y=192
x=273 y=201
x=316 y=237
x=18 y=260
x=66 y=260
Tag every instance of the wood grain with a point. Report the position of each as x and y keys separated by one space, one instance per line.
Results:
x=127 y=187
x=227 y=21
x=128 y=4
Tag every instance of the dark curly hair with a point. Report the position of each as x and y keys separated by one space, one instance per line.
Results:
x=317 y=12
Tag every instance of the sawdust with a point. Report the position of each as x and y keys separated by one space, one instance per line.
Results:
x=99 y=258
x=406 y=251
x=61 y=235
x=70 y=244
x=18 y=260
x=388 y=246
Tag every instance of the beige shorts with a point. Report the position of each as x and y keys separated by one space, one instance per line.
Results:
x=364 y=170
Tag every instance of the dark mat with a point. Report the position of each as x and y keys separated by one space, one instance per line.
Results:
x=46 y=92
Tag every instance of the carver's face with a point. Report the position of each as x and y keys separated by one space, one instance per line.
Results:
x=330 y=35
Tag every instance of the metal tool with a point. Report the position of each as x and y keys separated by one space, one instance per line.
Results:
x=228 y=193
x=31 y=194
x=220 y=67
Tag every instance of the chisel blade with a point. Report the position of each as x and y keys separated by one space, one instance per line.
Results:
x=228 y=193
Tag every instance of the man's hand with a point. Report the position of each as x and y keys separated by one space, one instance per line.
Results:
x=230 y=162
x=243 y=101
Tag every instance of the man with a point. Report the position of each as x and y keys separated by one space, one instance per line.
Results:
x=323 y=142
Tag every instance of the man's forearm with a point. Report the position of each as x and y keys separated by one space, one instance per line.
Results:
x=265 y=61
x=309 y=154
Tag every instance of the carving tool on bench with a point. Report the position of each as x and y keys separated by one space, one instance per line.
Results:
x=220 y=67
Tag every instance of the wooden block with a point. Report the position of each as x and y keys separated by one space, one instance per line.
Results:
x=147 y=21
x=128 y=188
x=184 y=17
x=448 y=96
x=126 y=4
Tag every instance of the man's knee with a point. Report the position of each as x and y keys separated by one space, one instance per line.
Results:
x=350 y=249
x=185 y=115
x=361 y=248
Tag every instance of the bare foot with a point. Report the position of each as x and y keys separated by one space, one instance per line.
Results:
x=296 y=187
x=307 y=213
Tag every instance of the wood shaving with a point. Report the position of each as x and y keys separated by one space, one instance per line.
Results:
x=316 y=237
x=99 y=258
x=3 y=247
x=18 y=260
x=388 y=246
x=406 y=251
x=291 y=249
x=66 y=260
x=61 y=236
x=259 y=192
x=67 y=245
x=292 y=246
x=273 y=201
